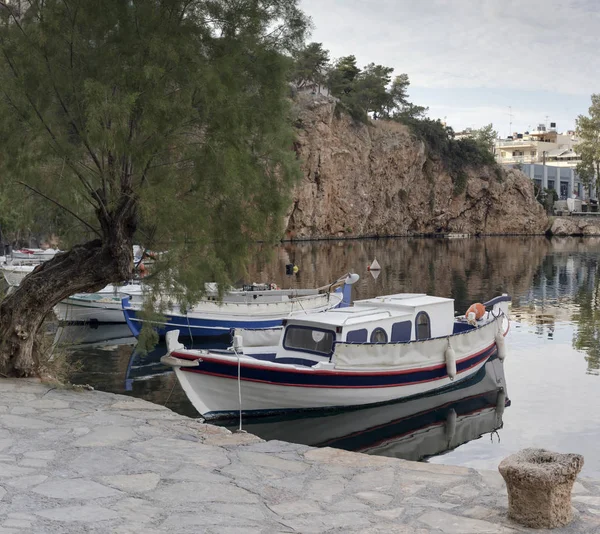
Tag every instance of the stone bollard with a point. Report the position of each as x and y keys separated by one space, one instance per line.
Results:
x=539 y=484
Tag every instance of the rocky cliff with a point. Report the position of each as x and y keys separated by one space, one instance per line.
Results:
x=378 y=179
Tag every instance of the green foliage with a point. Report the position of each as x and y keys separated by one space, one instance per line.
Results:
x=456 y=154
x=588 y=131
x=310 y=65
x=486 y=137
x=460 y=183
x=546 y=197
x=177 y=108
x=371 y=91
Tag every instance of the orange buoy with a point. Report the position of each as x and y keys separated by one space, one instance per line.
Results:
x=478 y=309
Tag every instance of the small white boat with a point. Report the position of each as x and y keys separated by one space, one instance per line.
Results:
x=376 y=351
x=14 y=274
x=34 y=254
x=101 y=307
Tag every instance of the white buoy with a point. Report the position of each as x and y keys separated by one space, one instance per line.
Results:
x=375 y=266
x=450 y=362
x=172 y=340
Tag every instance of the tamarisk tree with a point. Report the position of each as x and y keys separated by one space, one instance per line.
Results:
x=162 y=122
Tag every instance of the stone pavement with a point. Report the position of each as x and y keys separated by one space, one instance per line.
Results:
x=73 y=462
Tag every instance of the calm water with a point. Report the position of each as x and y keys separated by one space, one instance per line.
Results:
x=552 y=370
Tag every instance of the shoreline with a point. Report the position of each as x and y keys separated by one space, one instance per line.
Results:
x=73 y=461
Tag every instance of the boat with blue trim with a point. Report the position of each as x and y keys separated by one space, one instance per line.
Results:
x=252 y=308
x=376 y=351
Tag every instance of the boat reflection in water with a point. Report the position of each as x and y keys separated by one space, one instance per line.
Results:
x=94 y=335
x=412 y=430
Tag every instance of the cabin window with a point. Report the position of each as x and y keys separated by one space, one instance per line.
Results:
x=423 y=326
x=357 y=336
x=379 y=335
x=308 y=339
x=401 y=331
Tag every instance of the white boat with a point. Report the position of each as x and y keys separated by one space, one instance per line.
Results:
x=38 y=255
x=14 y=274
x=101 y=307
x=251 y=307
x=376 y=351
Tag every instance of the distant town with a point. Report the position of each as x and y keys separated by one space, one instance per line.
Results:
x=547 y=156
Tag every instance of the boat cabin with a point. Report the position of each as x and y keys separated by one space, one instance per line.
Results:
x=390 y=319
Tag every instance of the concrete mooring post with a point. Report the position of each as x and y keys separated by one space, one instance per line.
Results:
x=539 y=484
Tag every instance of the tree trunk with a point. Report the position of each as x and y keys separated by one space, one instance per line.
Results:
x=85 y=268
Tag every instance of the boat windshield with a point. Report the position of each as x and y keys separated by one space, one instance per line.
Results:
x=307 y=339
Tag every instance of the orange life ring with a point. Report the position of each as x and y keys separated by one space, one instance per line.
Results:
x=478 y=309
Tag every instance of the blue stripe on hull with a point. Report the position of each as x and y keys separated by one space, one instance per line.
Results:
x=196 y=327
x=325 y=379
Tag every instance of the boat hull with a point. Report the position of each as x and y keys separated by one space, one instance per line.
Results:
x=212 y=385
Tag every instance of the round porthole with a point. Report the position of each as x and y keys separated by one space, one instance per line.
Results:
x=379 y=335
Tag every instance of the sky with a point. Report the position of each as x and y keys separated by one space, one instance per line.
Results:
x=475 y=62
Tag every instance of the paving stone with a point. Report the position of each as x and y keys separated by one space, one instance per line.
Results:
x=5 y=443
x=106 y=436
x=62 y=414
x=17 y=421
x=2 y=493
x=391 y=529
x=75 y=488
x=143 y=510
x=378 y=499
x=588 y=500
x=273 y=462
x=17 y=523
x=464 y=492
x=326 y=489
x=48 y=404
x=295 y=508
x=393 y=513
x=193 y=474
x=23 y=410
x=136 y=404
x=430 y=503
x=9 y=471
x=381 y=479
x=191 y=492
x=453 y=524
x=133 y=483
x=42 y=455
x=169 y=450
x=33 y=462
x=579 y=488
x=26 y=482
x=87 y=514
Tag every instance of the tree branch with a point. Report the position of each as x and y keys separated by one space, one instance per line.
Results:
x=31 y=188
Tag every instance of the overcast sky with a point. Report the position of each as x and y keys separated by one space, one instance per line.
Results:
x=470 y=60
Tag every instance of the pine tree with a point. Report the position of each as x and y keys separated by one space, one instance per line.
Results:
x=162 y=122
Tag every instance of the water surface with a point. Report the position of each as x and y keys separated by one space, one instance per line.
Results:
x=552 y=370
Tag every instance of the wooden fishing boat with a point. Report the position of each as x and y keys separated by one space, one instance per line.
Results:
x=376 y=351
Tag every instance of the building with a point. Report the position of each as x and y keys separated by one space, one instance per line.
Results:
x=538 y=146
x=547 y=157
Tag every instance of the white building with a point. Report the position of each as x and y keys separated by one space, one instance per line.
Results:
x=539 y=146
x=547 y=157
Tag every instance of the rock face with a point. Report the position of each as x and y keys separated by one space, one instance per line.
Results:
x=539 y=484
x=563 y=226
x=378 y=179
